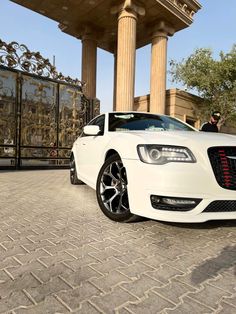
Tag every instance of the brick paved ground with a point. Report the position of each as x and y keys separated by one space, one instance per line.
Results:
x=59 y=254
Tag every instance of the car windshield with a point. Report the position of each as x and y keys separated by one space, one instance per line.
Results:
x=144 y=122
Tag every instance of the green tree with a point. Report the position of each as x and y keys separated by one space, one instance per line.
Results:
x=213 y=80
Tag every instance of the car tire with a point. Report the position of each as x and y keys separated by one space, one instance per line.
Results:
x=112 y=191
x=73 y=172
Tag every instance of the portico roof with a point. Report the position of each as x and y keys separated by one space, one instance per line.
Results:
x=74 y=16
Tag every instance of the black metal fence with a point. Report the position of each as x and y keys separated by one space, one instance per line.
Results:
x=41 y=111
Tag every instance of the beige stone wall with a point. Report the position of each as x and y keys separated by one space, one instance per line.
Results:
x=181 y=105
x=142 y=103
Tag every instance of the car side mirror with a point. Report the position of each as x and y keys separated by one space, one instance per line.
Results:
x=91 y=130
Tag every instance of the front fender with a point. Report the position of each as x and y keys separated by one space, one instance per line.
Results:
x=125 y=145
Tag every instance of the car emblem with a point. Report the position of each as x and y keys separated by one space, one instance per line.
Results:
x=231 y=157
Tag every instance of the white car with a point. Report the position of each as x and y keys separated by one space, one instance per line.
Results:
x=156 y=166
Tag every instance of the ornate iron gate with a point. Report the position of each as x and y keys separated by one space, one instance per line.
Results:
x=41 y=111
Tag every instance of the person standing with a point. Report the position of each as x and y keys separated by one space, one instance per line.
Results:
x=211 y=125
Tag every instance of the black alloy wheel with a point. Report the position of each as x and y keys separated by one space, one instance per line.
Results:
x=73 y=173
x=112 y=191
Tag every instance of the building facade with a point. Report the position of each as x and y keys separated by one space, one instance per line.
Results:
x=182 y=105
x=120 y=27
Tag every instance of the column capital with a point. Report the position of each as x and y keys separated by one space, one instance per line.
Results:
x=89 y=33
x=162 y=29
x=128 y=8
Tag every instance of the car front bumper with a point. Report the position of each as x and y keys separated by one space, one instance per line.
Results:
x=180 y=180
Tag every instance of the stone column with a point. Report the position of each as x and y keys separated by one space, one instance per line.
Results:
x=158 y=67
x=89 y=63
x=115 y=76
x=126 y=48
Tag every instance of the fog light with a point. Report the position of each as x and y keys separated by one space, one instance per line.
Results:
x=174 y=203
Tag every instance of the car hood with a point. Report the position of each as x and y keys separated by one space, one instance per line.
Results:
x=182 y=138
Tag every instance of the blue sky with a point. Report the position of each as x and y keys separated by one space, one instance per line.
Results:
x=214 y=27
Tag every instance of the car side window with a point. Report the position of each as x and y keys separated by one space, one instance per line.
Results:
x=100 y=121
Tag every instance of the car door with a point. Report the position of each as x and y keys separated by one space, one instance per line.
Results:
x=91 y=151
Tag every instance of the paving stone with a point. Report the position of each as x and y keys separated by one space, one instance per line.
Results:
x=128 y=247
x=107 y=282
x=79 y=276
x=101 y=235
x=9 y=234
x=149 y=250
x=224 y=281
x=141 y=285
x=13 y=301
x=73 y=298
x=104 y=254
x=155 y=261
x=20 y=270
x=81 y=262
x=24 y=282
x=82 y=240
x=213 y=266
x=230 y=299
x=63 y=246
x=52 y=260
x=164 y=273
x=107 y=266
x=209 y=296
x=173 y=291
x=46 y=274
x=50 y=306
x=81 y=251
x=187 y=279
x=32 y=246
x=11 y=244
x=31 y=257
x=124 y=238
x=188 y=306
x=144 y=241
x=169 y=249
x=123 y=310
x=129 y=257
x=87 y=308
x=135 y=270
x=12 y=252
x=44 y=236
x=152 y=304
x=56 y=234
x=40 y=292
x=66 y=238
x=113 y=300
x=3 y=276
x=226 y=308
x=184 y=262
x=102 y=245
x=8 y=263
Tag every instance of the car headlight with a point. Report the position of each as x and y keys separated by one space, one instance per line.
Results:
x=162 y=154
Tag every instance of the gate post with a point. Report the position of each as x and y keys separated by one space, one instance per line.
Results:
x=18 y=118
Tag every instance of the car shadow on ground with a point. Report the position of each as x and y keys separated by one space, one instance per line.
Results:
x=225 y=260
x=212 y=224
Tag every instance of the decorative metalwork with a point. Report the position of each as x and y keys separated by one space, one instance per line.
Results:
x=40 y=118
x=96 y=107
x=72 y=114
x=18 y=56
x=7 y=113
x=38 y=112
